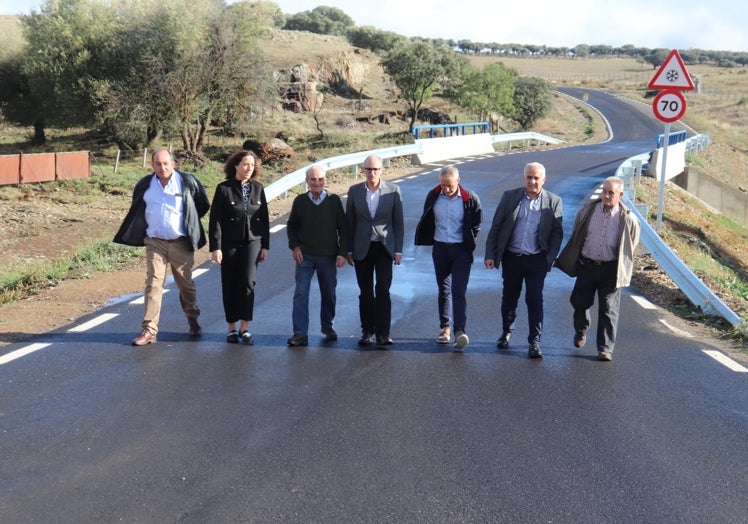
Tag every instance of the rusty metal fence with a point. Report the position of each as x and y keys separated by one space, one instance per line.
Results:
x=44 y=167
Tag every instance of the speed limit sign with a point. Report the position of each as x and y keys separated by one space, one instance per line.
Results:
x=669 y=105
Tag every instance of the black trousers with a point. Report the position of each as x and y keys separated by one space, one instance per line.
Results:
x=238 y=277
x=374 y=277
x=531 y=271
x=597 y=279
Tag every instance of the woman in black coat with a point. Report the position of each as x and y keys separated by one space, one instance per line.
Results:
x=239 y=238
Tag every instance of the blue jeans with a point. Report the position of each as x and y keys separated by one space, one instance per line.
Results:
x=452 y=264
x=327 y=278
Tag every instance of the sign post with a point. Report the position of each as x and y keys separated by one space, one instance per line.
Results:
x=669 y=105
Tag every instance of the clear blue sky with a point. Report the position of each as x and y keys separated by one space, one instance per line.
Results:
x=672 y=24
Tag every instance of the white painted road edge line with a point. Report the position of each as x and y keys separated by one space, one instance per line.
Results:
x=18 y=353
x=93 y=323
x=725 y=361
x=169 y=280
x=278 y=227
x=676 y=330
x=643 y=302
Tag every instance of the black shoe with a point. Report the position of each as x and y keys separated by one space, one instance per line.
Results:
x=298 y=340
x=580 y=337
x=232 y=337
x=534 y=351
x=330 y=335
x=367 y=339
x=383 y=340
x=503 y=342
x=246 y=338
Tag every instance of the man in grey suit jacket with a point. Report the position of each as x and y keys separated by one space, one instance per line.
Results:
x=525 y=237
x=374 y=210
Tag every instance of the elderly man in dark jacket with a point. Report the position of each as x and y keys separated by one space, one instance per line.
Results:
x=165 y=218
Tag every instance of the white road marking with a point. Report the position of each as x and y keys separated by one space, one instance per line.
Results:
x=676 y=330
x=277 y=227
x=92 y=323
x=643 y=302
x=725 y=361
x=18 y=353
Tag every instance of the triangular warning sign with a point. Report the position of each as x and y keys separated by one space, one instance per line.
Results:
x=672 y=74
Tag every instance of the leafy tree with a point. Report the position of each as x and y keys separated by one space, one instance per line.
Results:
x=656 y=57
x=267 y=14
x=533 y=99
x=418 y=69
x=183 y=67
x=581 y=51
x=57 y=66
x=375 y=40
x=488 y=90
x=321 y=20
x=17 y=102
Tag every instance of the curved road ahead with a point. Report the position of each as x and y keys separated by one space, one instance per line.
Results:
x=94 y=430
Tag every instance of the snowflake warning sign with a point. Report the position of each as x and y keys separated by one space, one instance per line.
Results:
x=672 y=74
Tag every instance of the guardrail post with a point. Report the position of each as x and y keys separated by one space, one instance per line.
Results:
x=637 y=171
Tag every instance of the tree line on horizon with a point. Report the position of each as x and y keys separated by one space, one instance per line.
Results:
x=334 y=21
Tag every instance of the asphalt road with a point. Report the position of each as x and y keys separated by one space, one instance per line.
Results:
x=94 y=430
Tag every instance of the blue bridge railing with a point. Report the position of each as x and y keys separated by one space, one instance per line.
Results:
x=673 y=138
x=450 y=129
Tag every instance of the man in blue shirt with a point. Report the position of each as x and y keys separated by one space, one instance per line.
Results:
x=450 y=222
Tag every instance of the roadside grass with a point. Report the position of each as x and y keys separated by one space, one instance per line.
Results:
x=712 y=246
x=101 y=255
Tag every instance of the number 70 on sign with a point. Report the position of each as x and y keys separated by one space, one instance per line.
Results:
x=669 y=105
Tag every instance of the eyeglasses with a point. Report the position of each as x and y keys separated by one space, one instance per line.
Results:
x=372 y=169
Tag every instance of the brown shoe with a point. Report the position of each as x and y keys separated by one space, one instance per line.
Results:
x=604 y=355
x=145 y=337
x=445 y=335
x=580 y=337
x=195 y=329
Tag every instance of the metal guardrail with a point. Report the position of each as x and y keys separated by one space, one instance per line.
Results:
x=298 y=177
x=692 y=286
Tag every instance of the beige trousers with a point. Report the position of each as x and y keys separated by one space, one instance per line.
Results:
x=160 y=254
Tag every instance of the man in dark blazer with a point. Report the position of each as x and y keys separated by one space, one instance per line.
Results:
x=374 y=210
x=525 y=237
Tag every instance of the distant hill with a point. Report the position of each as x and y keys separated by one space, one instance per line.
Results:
x=11 y=36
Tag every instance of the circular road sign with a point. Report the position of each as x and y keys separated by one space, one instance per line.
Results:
x=669 y=105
